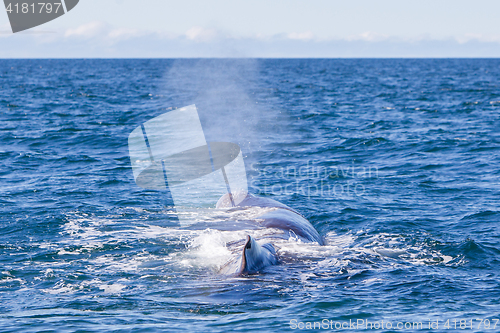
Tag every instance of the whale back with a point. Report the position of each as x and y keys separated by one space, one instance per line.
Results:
x=282 y=217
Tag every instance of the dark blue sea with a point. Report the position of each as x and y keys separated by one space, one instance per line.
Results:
x=396 y=163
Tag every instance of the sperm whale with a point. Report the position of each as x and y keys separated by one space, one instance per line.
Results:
x=283 y=221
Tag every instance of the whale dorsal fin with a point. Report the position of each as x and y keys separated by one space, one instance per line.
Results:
x=255 y=257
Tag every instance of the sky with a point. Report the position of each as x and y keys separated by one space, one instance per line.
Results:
x=262 y=28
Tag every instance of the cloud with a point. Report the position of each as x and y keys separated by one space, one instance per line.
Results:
x=368 y=36
x=5 y=30
x=201 y=34
x=301 y=35
x=97 y=39
x=124 y=33
x=478 y=37
x=88 y=30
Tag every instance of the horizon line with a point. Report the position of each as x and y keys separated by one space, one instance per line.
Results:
x=257 y=58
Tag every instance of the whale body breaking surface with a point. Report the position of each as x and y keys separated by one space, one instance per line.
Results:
x=283 y=222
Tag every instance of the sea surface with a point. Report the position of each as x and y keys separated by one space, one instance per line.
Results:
x=396 y=163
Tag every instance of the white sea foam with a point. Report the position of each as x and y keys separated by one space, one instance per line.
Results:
x=211 y=249
x=114 y=288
